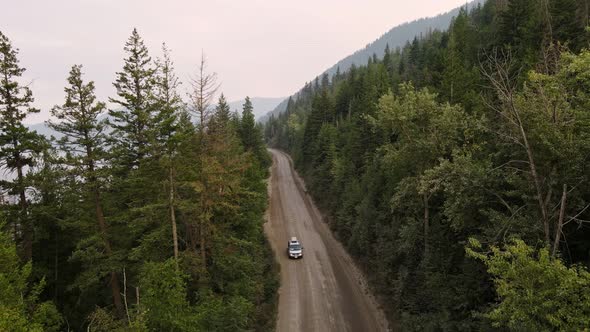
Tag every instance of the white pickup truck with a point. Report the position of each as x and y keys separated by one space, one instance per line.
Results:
x=294 y=248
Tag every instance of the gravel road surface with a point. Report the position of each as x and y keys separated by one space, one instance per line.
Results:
x=324 y=291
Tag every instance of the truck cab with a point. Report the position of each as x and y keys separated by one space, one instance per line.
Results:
x=294 y=248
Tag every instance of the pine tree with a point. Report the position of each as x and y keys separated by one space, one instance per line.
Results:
x=247 y=126
x=388 y=61
x=18 y=145
x=84 y=144
x=522 y=29
x=325 y=81
x=566 y=29
x=222 y=162
x=251 y=135
x=458 y=76
x=321 y=112
x=168 y=135
x=136 y=173
x=133 y=122
x=218 y=124
x=337 y=75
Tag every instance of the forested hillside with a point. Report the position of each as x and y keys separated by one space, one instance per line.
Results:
x=398 y=37
x=147 y=221
x=455 y=169
x=393 y=39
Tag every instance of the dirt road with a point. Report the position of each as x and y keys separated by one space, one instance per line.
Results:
x=324 y=291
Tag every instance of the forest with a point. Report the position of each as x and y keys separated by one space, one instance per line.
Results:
x=455 y=169
x=144 y=217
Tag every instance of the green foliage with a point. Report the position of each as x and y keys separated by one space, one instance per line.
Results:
x=20 y=308
x=231 y=314
x=459 y=77
x=101 y=320
x=149 y=229
x=411 y=155
x=163 y=294
x=134 y=122
x=536 y=292
x=18 y=145
x=169 y=104
x=251 y=135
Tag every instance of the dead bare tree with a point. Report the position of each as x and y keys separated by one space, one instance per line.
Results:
x=560 y=221
x=499 y=69
x=204 y=88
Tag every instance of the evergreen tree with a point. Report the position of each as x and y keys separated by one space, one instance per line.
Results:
x=459 y=76
x=18 y=145
x=321 y=112
x=247 y=126
x=168 y=133
x=133 y=123
x=566 y=29
x=84 y=144
x=219 y=122
x=222 y=165
x=251 y=135
x=522 y=29
x=388 y=61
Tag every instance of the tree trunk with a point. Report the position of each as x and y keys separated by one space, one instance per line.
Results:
x=560 y=221
x=202 y=239
x=203 y=231
x=535 y=176
x=548 y=20
x=537 y=183
x=27 y=227
x=172 y=212
x=56 y=267
x=203 y=246
x=191 y=235
x=115 y=288
x=504 y=86
x=426 y=224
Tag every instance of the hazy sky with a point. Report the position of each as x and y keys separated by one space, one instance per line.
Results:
x=262 y=48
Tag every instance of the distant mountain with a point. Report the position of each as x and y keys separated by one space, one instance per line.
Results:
x=43 y=129
x=399 y=36
x=396 y=37
x=277 y=110
x=261 y=107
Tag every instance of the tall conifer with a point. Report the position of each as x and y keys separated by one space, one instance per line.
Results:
x=132 y=122
x=84 y=144
x=18 y=144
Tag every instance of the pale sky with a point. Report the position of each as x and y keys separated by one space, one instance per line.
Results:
x=259 y=48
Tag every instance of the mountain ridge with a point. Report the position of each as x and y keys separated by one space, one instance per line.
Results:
x=395 y=37
x=261 y=105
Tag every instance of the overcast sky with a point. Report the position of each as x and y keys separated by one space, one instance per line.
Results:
x=260 y=48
